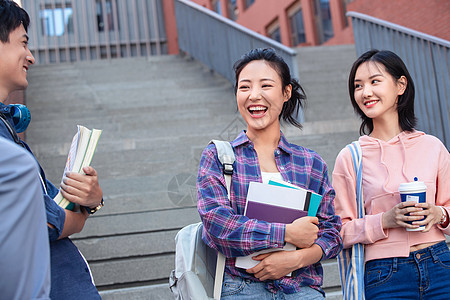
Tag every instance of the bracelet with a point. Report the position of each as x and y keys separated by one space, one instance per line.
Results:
x=444 y=216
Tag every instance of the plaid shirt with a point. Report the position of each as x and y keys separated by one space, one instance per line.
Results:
x=226 y=228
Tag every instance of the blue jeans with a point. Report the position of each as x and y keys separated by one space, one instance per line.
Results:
x=425 y=274
x=244 y=289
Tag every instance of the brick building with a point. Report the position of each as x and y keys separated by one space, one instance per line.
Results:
x=323 y=22
x=431 y=17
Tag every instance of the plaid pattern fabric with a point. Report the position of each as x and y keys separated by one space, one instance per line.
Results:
x=227 y=230
x=351 y=261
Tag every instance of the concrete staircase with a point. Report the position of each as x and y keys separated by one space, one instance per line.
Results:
x=157 y=115
x=330 y=121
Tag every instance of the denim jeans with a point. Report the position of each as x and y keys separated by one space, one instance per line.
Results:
x=425 y=274
x=244 y=289
x=70 y=274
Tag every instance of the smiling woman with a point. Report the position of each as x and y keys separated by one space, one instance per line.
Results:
x=376 y=93
x=260 y=97
x=266 y=94
x=399 y=263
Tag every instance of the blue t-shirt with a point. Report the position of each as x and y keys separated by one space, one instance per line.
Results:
x=24 y=249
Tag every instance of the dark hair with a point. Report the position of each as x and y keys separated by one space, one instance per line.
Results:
x=396 y=68
x=298 y=98
x=11 y=17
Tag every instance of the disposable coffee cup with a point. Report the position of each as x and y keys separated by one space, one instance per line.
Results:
x=413 y=191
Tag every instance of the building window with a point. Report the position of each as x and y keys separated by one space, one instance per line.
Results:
x=216 y=6
x=345 y=10
x=56 y=19
x=273 y=31
x=248 y=3
x=323 y=20
x=298 y=35
x=232 y=10
x=105 y=17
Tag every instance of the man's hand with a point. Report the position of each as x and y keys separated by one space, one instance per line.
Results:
x=82 y=189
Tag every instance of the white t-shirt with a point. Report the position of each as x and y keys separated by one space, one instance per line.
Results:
x=266 y=176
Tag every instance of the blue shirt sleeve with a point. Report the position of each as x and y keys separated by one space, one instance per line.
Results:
x=55 y=214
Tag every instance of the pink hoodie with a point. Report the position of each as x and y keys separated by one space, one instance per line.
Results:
x=385 y=166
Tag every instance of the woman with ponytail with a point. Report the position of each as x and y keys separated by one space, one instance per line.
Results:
x=266 y=94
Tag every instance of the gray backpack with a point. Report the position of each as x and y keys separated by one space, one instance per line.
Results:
x=199 y=269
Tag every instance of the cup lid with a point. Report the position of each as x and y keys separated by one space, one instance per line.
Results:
x=412 y=186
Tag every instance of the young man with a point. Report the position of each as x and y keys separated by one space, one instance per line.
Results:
x=70 y=274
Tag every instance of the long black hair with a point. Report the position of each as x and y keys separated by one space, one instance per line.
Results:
x=11 y=17
x=298 y=97
x=396 y=68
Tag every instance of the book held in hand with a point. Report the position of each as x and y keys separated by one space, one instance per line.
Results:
x=80 y=155
x=277 y=202
x=312 y=199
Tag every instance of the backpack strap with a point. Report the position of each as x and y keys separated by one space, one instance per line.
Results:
x=226 y=156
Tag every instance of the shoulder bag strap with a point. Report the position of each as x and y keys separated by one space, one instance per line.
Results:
x=355 y=149
x=357 y=257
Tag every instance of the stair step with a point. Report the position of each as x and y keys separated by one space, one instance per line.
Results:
x=323 y=75
x=148 y=292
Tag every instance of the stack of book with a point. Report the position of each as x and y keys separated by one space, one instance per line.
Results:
x=80 y=155
x=277 y=202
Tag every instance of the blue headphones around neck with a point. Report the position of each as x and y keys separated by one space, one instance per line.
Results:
x=20 y=115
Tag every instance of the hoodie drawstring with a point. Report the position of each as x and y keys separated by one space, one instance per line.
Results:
x=388 y=177
x=404 y=159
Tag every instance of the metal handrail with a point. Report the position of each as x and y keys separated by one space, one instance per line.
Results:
x=427 y=58
x=287 y=53
x=397 y=27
